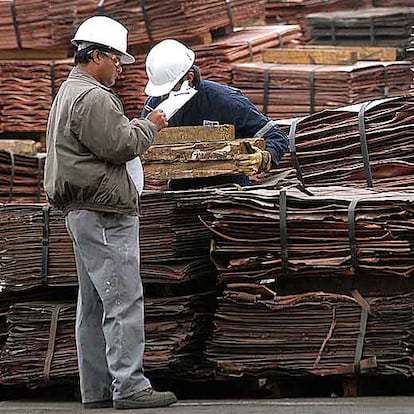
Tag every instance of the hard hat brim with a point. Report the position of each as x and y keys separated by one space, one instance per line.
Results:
x=159 y=90
x=126 y=58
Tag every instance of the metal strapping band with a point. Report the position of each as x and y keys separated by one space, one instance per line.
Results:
x=146 y=20
x=101 y=6
x=52 y=80
x=230 y=12
x=372 y=38
x=292 y=149
x=360 y=341
x=386 y=86
x=12 y=174
x=312 y=91
x=266 y=77
x=333 y=31
x=352 y=232
x=40 y=167
x=250 y=46
x=281 y=41
x=15 y=24
x=52 y=341
x=283 y=232
x=45 y=244
x=364 y=144
x=326 y=5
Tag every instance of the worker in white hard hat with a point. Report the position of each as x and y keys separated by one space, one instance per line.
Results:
x=169 y=66
x=90 y=147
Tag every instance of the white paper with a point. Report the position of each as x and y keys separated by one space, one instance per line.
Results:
x=176 y=100
x=136 y=172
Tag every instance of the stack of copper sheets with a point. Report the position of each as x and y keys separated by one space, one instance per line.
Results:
x=410 y=48
x=382 y=26
x=363 y=145
x=264 y=235
x=286 y=90
x=295 y=11
x=39 y=24
x=36 y=249
x=257 y=333
x=216 y=59
x=25 y=93
x=21 y=178
x=170 y=222
x=41 y=343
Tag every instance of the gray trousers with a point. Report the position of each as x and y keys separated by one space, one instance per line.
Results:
x=110 y=312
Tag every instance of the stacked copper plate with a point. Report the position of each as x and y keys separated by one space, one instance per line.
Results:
x=295 y=11
x=38 y=24
x=216 y=59
x=392 y=3
x=382 y=26
x=257 y=333
x=41 y=343
x=25 y=93
x=366 y=145
x=36 y=249
x=21 y=178
x=264 y=235
x=287 y=90
x=25 y=24
x=170 y=222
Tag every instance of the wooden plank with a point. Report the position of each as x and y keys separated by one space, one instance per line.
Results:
x=19 y=146
x=179 y=135
x=383 y=54
x=310 y=56
x=216 y=150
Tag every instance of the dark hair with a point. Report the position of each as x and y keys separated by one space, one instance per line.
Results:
x=85 y=55
x=197 y=74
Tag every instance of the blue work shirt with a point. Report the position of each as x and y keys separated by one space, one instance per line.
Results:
x=217 y=104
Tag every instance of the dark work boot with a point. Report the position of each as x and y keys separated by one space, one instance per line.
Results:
x=98 y=404
x=148 y=398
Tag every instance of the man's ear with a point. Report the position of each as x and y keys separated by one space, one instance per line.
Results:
x=190 y=77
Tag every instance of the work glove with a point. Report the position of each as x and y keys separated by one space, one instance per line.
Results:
x=258 y=161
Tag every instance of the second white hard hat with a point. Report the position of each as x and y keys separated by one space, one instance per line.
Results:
x=166 y=63
x=107 y=32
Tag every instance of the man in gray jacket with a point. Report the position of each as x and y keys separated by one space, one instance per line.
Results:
x=89 y=142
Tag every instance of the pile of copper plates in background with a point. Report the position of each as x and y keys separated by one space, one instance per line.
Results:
x=260 y=334
x=383 y=26
x=21 y=177
x=39 y=24
x=262 y=235
x=363 y=145
x=410 y=48
x=25 y=93
x=295 y=11
x=287 y=90
x=216 y=59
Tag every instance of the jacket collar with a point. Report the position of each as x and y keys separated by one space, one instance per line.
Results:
x=78 y=74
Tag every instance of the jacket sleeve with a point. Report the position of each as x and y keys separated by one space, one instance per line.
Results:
x=99 y=123
x=149 y=105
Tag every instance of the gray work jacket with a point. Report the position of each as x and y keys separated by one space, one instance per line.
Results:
x=89 y=141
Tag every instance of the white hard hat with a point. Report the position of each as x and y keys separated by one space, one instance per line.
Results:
x=107 y=32
x=166 y=63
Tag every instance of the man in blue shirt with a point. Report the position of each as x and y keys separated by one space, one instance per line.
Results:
x=169 y=64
